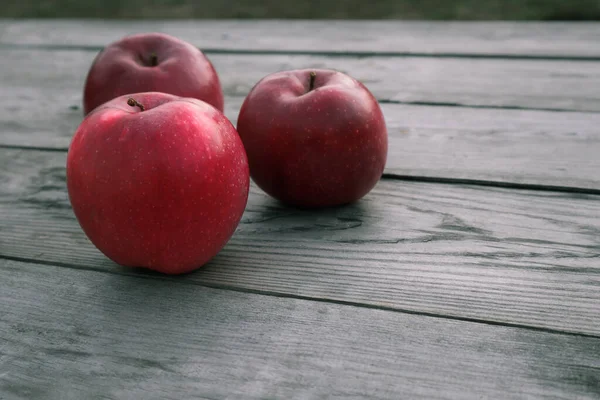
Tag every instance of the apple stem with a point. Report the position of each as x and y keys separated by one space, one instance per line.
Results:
x=133 y=103
x=313 y=76
x=153 y=60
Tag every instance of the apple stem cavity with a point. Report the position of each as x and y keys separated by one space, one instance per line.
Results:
x=153 y=60
x=134 y=103
x=313 y=76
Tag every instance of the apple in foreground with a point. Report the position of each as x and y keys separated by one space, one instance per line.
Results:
x=314 y=138
x=157 y=181
x=151 y=62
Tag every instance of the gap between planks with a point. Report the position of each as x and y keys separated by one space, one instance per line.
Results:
x=350 y=54
x=270 y=293
x=66 y=329
x=409 y=178
x=476 y=106
x=517 y=257
x=482 y=143
x=383 y=98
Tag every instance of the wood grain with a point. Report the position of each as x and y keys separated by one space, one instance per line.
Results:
x=491 y=255
x=71 y=334
x=552 y=85
x=576 y=40
x=514 y=146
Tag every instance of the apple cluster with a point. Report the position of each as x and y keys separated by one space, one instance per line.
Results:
x=157 y=175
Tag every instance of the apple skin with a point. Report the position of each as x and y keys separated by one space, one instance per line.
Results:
x=313 y=148
x=126 y=66
x=163 y=188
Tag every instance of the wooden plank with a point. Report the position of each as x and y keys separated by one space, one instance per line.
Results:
x=502 y=256
x=82 y=334
x=524 y=39
x=552 y=85
x=515 y=146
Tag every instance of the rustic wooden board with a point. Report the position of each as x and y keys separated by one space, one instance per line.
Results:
x=82 y=335
x=492 y=255
x=514 y=146
x=552 y=85
x=508 y=39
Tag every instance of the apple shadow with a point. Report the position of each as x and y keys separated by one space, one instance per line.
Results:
x=274 y=214
x=265 y=225
x=271 y=229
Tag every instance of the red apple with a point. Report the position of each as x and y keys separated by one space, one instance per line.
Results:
x=151 y=62
x=157 y=181
x=314 y=138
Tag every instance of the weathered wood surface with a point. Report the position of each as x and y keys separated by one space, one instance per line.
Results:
x=510 y=146
x=420 y=290
x=69 y=334
x=532 y=84
x=492 y=255
x=506 y=39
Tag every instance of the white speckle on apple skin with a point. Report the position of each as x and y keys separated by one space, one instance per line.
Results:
x=321 y=148
x=175 y=200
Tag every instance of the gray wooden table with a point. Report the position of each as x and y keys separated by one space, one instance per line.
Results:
x=471 y=271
